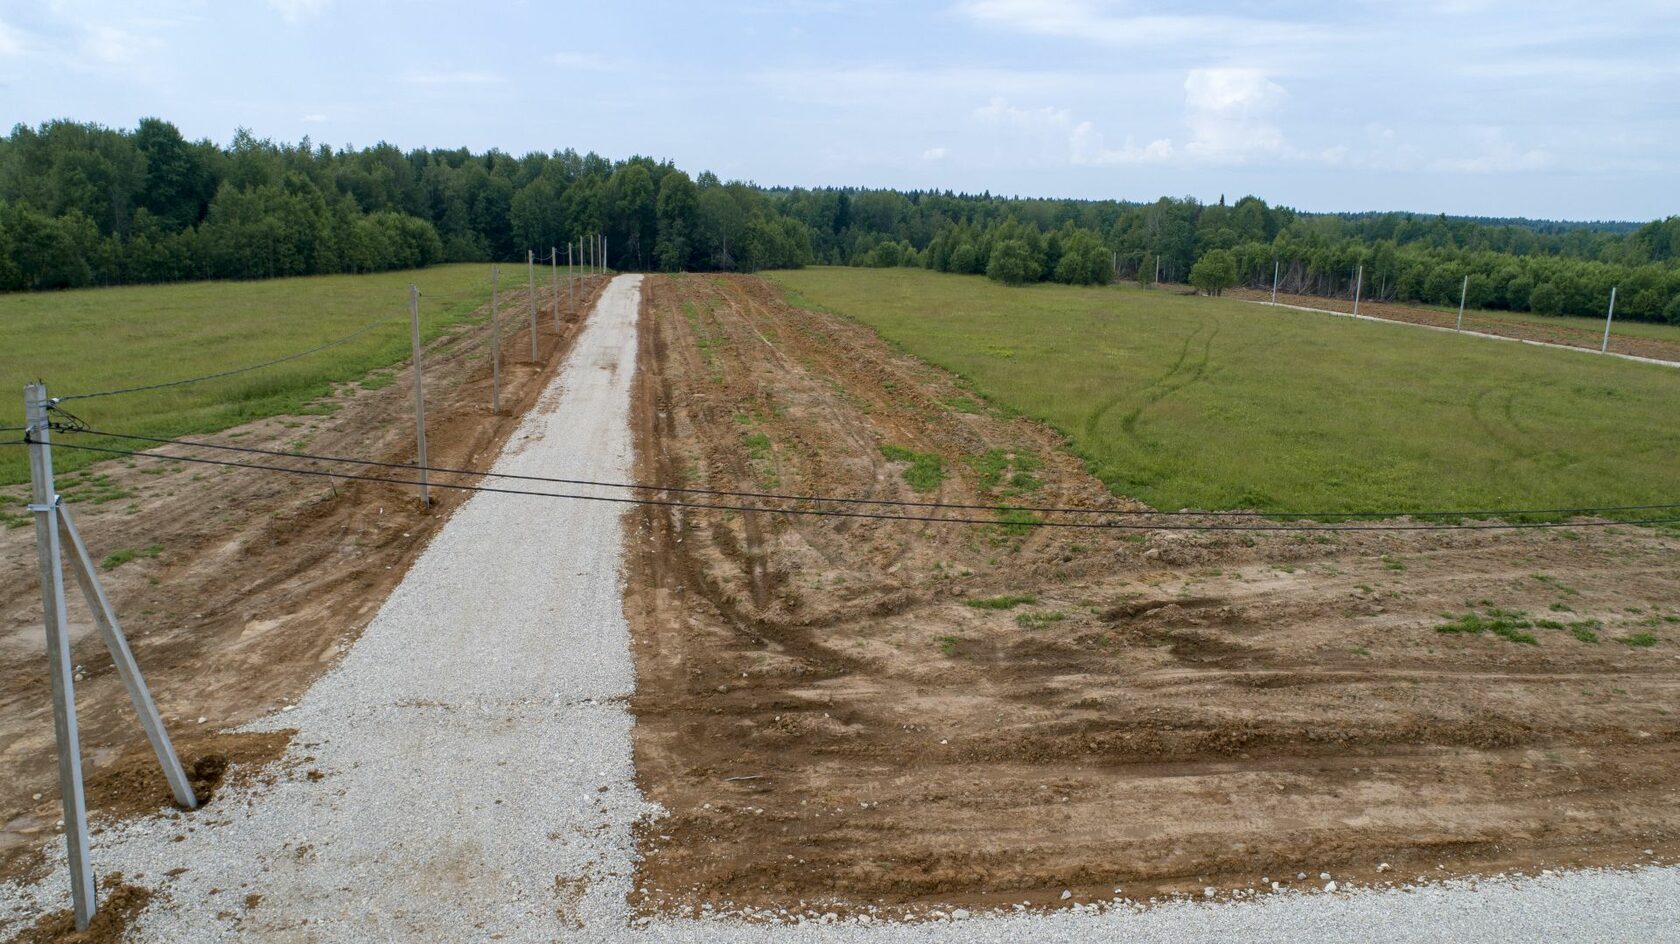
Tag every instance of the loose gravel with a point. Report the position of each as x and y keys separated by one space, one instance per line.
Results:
x=466 y=772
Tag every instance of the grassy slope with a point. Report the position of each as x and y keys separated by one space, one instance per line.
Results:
x=1212 y=403
x=99 y=339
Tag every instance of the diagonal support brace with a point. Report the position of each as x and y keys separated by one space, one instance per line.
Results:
x=105 y=618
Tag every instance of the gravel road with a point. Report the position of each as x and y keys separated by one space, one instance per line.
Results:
x=475 y=776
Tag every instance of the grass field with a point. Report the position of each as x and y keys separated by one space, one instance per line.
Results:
x=100 y=339
x=1216 y=404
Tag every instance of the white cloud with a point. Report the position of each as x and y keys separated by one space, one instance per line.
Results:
x=1494 y=154
x=314 y=119
x=13 y=41
x=1088 y=147
x=1230 y=113
x=885 y=86
x=1000 y=112
x=293 y=11
x=452 y=77
x=933 y=154
x=1110 y=23
x=113 y=46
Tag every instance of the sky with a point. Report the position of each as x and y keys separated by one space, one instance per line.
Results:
x=1564 y=110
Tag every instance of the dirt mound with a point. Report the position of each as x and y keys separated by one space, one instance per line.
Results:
x=119 y=904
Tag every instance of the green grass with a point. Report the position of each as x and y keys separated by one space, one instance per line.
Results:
x=1007 y=602
x=1214 y=403
x=98 y=339
x=925 y=470
x=1039 y=620
x=1506 y=624
x=127 y=554
x=1639 y=640
x=1008 y=472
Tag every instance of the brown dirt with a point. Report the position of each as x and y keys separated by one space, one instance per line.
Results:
x=263 y=581
x=1560 y=333
x=119 y=904
x=827 y=720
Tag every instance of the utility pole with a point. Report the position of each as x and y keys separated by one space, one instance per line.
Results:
x=603 y=253
x=54 y=523
x=1358 y=283
x=1608 y=317
x=1157 y=269
x=1463 y=293
x=1274 y=280
x=531 y=273
x=84 y=897
x=571 y=280
x=495 y=349
x=419 y=391
x=554 y=282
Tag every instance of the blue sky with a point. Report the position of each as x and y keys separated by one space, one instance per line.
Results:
x=1538 y=108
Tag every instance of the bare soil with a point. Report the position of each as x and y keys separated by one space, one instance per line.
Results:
x=120 y=904
x=828 y=720
x=261 y=582
x=1560 y=333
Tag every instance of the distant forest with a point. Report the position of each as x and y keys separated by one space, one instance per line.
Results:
x=82 y=204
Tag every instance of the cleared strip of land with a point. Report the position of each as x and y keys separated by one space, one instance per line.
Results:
x=1638 y=339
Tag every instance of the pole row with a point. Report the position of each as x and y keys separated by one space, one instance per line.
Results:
x=1463 y=296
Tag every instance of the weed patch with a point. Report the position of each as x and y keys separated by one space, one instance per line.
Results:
x=127 y=554
x=1506 y=624
x=925 y=470
x=1039 y=620
x=1001 y=603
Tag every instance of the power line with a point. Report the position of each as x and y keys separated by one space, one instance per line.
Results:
x=879 y=516
x=229 y=373
x=887 y=502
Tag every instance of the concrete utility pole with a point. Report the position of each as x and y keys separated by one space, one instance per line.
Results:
x=1608 y=317
x=571 y=280
x=603 y=253
x=54 y=527
x=1463 y=293
x=1274 y=280
x=1358 y=283
x=419 y=391
x=495 y=349
x=66 y=732
x=531 y=277
x=554 y=281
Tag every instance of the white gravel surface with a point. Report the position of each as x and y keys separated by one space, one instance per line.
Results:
x=477 y=781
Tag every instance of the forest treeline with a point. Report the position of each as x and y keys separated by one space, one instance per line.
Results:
x=82 y=204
